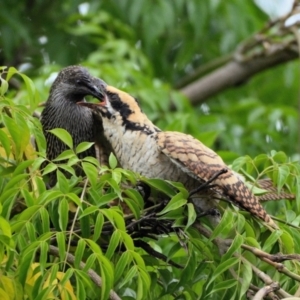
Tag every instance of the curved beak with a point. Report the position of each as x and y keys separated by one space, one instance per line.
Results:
x=92 y=105
x=96 y=92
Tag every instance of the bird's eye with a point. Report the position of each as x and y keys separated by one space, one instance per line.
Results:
x=78 y=81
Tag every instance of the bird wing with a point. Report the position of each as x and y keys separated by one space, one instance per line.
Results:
x=203 y=163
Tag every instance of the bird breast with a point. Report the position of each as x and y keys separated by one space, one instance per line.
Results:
x=139 y=152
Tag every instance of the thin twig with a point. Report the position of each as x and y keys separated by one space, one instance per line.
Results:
x=75 y=218
x=266 y=290
x=151 y=251
x=273 y=257
x=206 y=184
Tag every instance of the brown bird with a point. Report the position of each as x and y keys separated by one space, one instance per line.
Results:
x=142 y=147
x=72 y=84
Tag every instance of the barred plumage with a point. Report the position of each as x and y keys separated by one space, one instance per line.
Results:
x=142 y=147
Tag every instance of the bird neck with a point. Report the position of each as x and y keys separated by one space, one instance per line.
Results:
x=123 y=134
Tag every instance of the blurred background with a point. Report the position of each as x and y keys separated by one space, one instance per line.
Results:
x=157 y=49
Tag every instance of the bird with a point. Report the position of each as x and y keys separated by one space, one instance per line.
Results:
x=71 y=85
x=142 y=147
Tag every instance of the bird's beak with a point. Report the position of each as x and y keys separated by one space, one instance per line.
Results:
x=96 y=92
x=94 y=105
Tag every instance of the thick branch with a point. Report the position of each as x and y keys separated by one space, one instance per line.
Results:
x=232 y=74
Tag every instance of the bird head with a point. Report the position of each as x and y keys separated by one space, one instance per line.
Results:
x=118 y=108
x=74 y=83
x=115 y=102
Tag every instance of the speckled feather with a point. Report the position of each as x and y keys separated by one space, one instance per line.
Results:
x=272 y=192
x=196 y=158
x=142 y=147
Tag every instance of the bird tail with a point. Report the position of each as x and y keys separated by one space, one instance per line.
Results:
x=240 y=194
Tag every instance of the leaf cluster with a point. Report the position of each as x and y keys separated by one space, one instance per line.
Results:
x=98 y=237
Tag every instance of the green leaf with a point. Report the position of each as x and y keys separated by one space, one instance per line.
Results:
x=83 y=147
x=45 y=219
x=128 y=276
x=49 y=168
x=115 y=187
x=3 y=86
x=28 y=213
x=22 y=166
x=64 y=136
x=279 y=157
x=73 y=197
x=79 y=253
x=90 y=263
x=68 y=274
x=115 y=218
x=94 y=247
x=16 y=181
x=144 y=283
x=221 y=268
x=287 y=242
x=53 y=272
x=30 y=89
x=271 y=240
x=62 y=181
x=246 y=273
x=191 y=215
x=112 y=160
x=298 y=192
x=14 y=131
x=160 y=185
x=113 y=244
x=92 y=160
x=80 y=289
x=43 y=255
x=122 y=263
x=136 y=197
x=176 y=202
x=24 y=265
x=107 y=198
x=89 y=210
x=5 y=227
x=11 y=71
x=260 y=160
x=63 y=212
x=91 y=173
x=5 y=142
x=61 y=243
x=223 y=285
x=134 y=208
x=98 y=227
x=240 y=162
x=224 y=226
x=106 y=275
x=283 y=173
x=65 y=155
x=127 y=240
x=235 y=247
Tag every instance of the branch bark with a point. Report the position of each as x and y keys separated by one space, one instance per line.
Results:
x=234 y=73
x=91 y=273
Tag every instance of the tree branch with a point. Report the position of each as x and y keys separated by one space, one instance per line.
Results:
x=232 y=74
x=274 y=44
x=91 y=273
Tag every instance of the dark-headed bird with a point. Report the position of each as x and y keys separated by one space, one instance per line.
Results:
x=72 y=84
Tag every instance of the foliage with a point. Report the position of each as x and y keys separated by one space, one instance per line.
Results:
x=146 y=48
x=75 y=218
